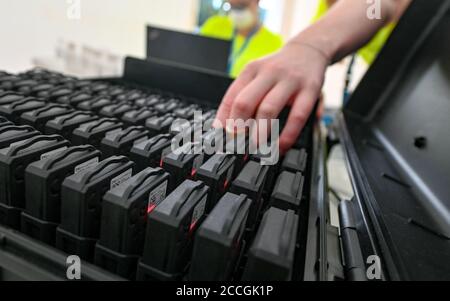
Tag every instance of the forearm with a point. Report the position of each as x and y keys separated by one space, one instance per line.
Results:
x=347 y=27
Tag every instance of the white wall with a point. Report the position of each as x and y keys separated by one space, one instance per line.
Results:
x=275 y=12
x=303 y=12
x=31 y=29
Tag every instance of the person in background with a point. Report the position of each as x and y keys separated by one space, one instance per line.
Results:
x=294 y=76
x=251 y=40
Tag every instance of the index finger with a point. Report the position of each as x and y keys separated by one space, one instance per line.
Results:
x=300 y=112
x=240 y=83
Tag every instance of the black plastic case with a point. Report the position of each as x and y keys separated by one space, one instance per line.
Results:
x=115 y=110
x=251 y=182
x=7 y=81
x=75 y=98
x=10 y=97
x=168 y=106
x=82 y=85
x=271 y=255
x=129 y=96
x=295 y=160
x=13 y=161
x=40 y=88
x=112 y=92
x=24 y=86
x=25 y=259
x=11 y=133
x=138 y=116
x=14 y=111
x=93 y=132
x=288 y=191
x=149 y=153
x=170 y=232
x=121 y=142
x=187 y=112
x=217 y=173
x=4 y=122
x=38 y=118
x=181 y=126
x=81 y=204
x=239 y=147
x=124 y=220
x=65 y=125
x=158 y=76
x=160 y=124
x=395 y=136
x=183 y=163
x=95 y=105
x=149 y=101
x=219 y=240
x=43 y=180
x=56 y=93
x=96 y=88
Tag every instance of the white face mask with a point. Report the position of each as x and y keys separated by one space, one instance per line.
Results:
x=242 y=18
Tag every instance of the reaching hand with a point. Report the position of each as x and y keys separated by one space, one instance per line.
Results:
x=292 y=77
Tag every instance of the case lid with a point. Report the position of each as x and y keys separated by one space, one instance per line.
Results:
x=396 y=133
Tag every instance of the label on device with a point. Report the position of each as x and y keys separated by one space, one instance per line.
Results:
x=88 y=165
x=157 y=195
x=121 y=178
x=53 y=153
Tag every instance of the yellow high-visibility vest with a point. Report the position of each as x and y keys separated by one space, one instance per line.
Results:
x=370 y=51
x=262 y=43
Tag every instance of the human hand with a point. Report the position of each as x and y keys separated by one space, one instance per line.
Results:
x=292 y=77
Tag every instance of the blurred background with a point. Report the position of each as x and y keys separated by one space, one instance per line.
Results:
x=90 y=38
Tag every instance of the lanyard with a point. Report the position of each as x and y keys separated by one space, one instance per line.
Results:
x=234 y=56
x=348 y=79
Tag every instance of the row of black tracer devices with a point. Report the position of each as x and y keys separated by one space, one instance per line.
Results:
x=87 y=167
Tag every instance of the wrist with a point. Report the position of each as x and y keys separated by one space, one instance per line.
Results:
x=318 y=41
x=311 y=47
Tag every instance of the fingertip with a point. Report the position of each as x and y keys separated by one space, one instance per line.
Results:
x=217 y=124
x=285 y=145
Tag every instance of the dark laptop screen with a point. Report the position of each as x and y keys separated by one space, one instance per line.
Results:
x=188 y=49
